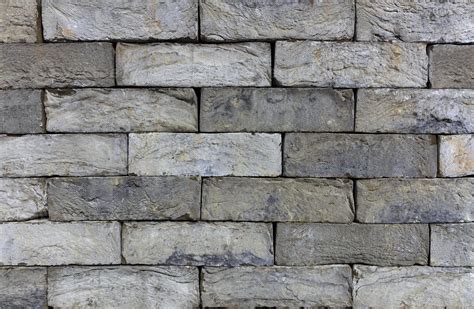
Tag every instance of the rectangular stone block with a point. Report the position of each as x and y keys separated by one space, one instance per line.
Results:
x=284 y=199
x=57 y=65
x=452 y=66
x=359 y=155
x=350 y=64
x=21 y=111
x=64 y=155
x=415 y=110
x=452 y=244
x=23 y=287
x=227 y=20
x=103 y=20
x=49 y=243
x=19 y=21
x=22 y=199
x=415 y=21
x=121 y=110
x=123 y=287
x=310 y=244
x=255 y=287
x=276 y=110
x=456 y=155
x=415 y=200
x=413 y=287
x=194 y=65
x=237 y=154
x=201 y=243
x=124 y=198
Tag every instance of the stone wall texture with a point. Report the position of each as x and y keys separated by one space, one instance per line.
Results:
x=236 y=154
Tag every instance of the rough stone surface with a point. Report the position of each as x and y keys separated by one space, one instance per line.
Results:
x=359 y=155
x=119 y=20
x=121 y=110
x=194 y=65
x=65 y=155
x=415 y=110
x=22 y=199
x=237 y=154
x=415 y=200
x=452 y=66
x=23 y=287
x=452 y=244
x=210 y=244
x=276 y=110
x=251 y=287
x=124 y=198
x=123 y=287
x=230 y=20
x=415 y=21
x=413 y=287
x=284 y=199
x=351 y=64
x=21 y=111
x=456 y=155
x=18 y=21
x=48 y=243
x=376 y=244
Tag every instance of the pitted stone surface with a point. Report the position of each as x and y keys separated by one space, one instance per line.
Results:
x=23 y=287
x=18 y=21
x=452 y=66
x=456 y=155
x=21 y=111
x=452 y=244
x=22 y=199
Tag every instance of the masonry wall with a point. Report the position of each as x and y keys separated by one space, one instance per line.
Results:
x=223 y=153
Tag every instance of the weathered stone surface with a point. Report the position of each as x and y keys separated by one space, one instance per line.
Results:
x=22 y=199
x=18 y=21
x=415 y=200
x=415 y=110
x=119 y=20
x=202 y=243
x=123 y=287
x=65 y=155
x=452 y=244
x=351 y=64
x=237 y=154
x=377 y=244
x=121 y=110
x=23 y=287
x=194 y=65
x=21 y=111
x=452 y=66
x=251 y=287
x=56 y=65
x=228 y=20
x=413 y=287
x=276 y=110
x=264 y=199
x=49 y=243
x=415 y=21
x=124 y=198
x=456 y=155
x=359 y=155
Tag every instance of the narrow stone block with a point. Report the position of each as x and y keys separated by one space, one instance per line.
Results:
x=452 y=66
x=456 y=155
x=452 y=244
x=21 y=111
x=23 y=287
x=22 y=199
x=19 y=21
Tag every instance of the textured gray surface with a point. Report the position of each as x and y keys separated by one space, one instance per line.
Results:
x=21 y=111
x=452 y=244
x=22 y=199
x=23 y=287
x=452 y=66
x=456 y=155
x=18 y=21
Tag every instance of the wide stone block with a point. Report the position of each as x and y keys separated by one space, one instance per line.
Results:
x=415 y=110
x=359 y=155
x=194 y=65
x=121 y=110
x=452 y=244
x=64 y=155
x=276 y=110
x=48 y=243
x=294 y=287
x=264 y=199
x=415 y=200
x=452 y=66
x=22 y=199
x=102 y=20
x=237 y=154
x=21 y=111
x=456 y=155
x=123 y=287
x=202 y=243
x=310 y=244
x=57 y=65
x=19 y=21
x=350 y=64
x=124 y=198
x=23 y=287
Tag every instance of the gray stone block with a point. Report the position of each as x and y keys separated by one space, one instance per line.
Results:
x=21 y=111
x=452 y=244
x=22 y=199
x=19 y=21
x=452 y=66
x=23 y=287
x=456 y=155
